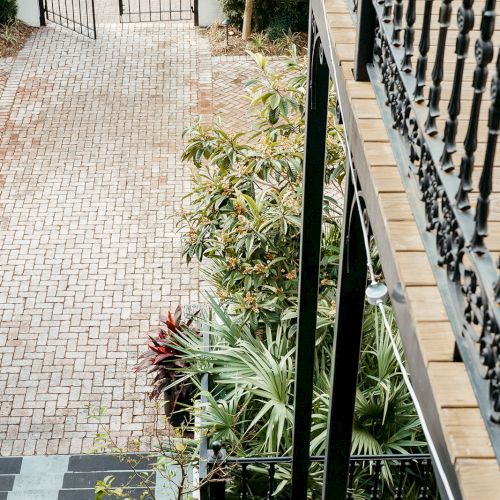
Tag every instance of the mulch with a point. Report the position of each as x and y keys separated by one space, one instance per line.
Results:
x=13 y=37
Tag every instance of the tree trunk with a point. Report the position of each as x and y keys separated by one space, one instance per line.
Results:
x=247 y=20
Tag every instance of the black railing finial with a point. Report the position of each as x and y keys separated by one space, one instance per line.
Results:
x=437 y=71
x=465 y=20
x=423 y=47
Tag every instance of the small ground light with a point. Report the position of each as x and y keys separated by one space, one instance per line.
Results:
x=226 y=24
x=376 y=293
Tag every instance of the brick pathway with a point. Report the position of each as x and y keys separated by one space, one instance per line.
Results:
x=5 y=68
x=230 y=100
x=90 y=178
x=89 y=254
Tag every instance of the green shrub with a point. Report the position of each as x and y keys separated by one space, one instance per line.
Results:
x=246 y=202
x=269 y=14
x=8 y=11
x=244 y=219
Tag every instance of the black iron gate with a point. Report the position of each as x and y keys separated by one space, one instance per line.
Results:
x=136 y=11
x=76 y=15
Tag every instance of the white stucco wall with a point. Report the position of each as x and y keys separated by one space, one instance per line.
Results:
x=210 y=12
x=28 y=12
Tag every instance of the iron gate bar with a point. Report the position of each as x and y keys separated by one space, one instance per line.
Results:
x=310 y=249
x=351 y=289
x=157 y=10
x=55 y=14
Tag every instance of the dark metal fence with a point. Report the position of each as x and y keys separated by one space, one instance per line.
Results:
x=76 y=15
x=133 y=11
x=370 y=476
x=434 y=97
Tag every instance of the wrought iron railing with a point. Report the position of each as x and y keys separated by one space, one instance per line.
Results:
x=457 y=211
x=370 y=476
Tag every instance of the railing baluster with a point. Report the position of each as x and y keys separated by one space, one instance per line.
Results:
x=486 y=180
x=272 y=470
x=424 y=489
x=465 y=20
x=423 y=48
x=376 y=479
x=409 y=35
x=397 y=23
x=484 y=54
x=437 y=71
x=350 y=478
x=401 y=476
x=387 y=11
x=244 y=482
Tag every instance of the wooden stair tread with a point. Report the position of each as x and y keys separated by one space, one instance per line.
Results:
x=466 y=433
x=479 y=478
x=430 y=332
x=436 y=340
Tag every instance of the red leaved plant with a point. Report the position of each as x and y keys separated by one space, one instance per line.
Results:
x=164 y=360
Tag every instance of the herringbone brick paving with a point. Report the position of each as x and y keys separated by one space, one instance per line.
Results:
x=230 y=100
x=89 y=252
x=90 y=179
x=5 y=67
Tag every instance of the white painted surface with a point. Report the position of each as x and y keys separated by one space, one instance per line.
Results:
x=28 y=11
x=40 y=478
x=210 y=12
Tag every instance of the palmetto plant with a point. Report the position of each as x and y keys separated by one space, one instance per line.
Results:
x=251 y=408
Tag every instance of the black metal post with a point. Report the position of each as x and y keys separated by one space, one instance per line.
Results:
x=310 y=247
x=217 y=482
x=196 y=16
x=41 y=7
x=365 y=37
x=93 y=20
x=348 y=332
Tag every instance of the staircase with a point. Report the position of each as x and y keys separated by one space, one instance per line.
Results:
x=73 y=477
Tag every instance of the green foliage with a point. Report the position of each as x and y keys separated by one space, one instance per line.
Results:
x=281 y=23
x=244 y=218
x=268 y=14
x=246 y=203
x=251 y=407
x=8 y=12
x=169 y=467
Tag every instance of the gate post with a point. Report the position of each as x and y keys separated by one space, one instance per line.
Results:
x=196 y=15
x=41 y=8
x=310 y=250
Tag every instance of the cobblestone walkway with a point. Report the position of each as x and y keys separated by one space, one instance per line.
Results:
x=90 y=178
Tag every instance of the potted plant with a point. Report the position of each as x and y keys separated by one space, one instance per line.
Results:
x=164 y=361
